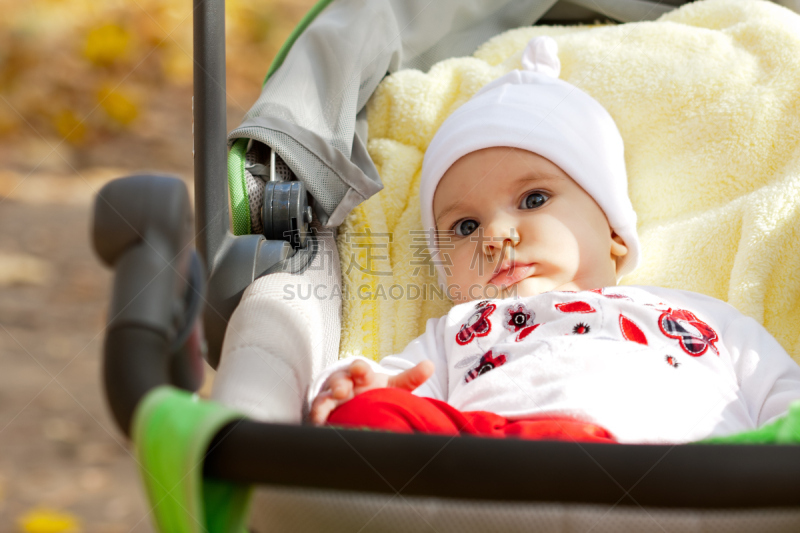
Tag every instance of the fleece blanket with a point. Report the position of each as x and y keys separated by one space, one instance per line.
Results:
x=707 y=100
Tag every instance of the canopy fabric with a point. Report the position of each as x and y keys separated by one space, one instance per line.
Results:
x=311 y=110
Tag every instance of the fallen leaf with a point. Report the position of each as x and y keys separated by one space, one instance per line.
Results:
x=69 y=126
x=18 y=269
x=48 y=521
x=106 y=43
x=118 y=105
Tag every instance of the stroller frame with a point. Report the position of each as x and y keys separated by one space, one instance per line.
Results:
x=141 y=353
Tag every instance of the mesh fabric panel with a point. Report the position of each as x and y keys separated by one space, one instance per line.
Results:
x=323 y=184
x=260 y=154
x=288 y=510
x=255 y=187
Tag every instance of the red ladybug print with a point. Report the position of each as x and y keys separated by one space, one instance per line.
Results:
x=631 y=331
x=477 y=325
x=517 y=317
x=575 y=307
x=581 y=328
x=695 y=336
x=526 y=331
x=488 y=362
x=671 y=361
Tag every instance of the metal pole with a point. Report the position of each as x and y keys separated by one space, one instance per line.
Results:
x=210 y=130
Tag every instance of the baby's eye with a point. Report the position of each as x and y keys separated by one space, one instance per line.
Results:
x=534 y=200
x=465 y=227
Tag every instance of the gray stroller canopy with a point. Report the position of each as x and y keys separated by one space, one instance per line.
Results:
x=311 y=110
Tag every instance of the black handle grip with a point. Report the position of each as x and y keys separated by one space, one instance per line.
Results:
x=143 y=228
x=147 y=208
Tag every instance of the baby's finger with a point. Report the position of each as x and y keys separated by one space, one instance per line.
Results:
x=335 y=378
x=321 y=408
x=342 y=388
x=361 y=373
x=413 y=377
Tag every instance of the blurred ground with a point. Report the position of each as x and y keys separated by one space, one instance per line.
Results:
x=89 y=91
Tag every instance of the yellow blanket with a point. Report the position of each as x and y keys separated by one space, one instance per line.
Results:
x=707 y=99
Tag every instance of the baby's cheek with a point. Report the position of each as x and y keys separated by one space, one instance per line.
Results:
x=456 y=270
x=456 y=263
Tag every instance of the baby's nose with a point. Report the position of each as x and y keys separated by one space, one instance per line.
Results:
x=496 y=237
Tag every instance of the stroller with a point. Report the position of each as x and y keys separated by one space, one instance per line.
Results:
x=258 y=232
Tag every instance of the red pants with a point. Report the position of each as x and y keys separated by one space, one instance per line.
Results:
x=398 y=410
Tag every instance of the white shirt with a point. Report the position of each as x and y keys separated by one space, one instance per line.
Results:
x=651 y=365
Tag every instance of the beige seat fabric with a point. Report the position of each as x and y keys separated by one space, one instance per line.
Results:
x=285 y=330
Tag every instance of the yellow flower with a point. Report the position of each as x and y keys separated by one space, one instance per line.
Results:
x=47 y=521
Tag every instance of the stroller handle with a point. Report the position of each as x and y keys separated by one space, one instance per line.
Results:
x=143 y=229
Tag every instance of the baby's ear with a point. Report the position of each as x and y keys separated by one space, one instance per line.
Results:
x=618 y=248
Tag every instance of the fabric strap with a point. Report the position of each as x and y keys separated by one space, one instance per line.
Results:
x=171 y=432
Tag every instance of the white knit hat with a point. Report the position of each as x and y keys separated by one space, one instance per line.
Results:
x=533 y=110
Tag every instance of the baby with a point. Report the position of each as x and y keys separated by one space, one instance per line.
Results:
x=526 y=189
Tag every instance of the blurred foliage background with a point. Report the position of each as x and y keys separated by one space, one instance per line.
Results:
x=90 y=90
x=84 y=70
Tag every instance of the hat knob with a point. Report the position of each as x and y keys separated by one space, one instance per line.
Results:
x=541 y=55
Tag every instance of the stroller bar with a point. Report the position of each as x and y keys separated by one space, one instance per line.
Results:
x=507 y=469
x=210 y=130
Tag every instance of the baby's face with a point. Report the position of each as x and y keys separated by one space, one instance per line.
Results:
x=513 y=223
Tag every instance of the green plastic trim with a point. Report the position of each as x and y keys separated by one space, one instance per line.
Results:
x=240 y=201
x=172 y=430
x=784 y=430
x=298 y=30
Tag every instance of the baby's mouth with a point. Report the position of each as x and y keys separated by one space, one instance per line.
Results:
x=512 y=274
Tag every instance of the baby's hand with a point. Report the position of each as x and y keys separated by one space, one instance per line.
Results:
x=358 y=378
